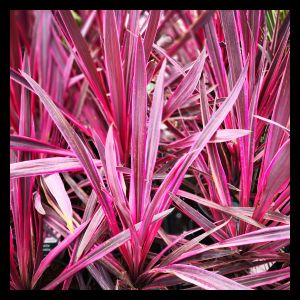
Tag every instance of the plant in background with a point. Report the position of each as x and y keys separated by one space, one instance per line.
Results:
x=153 y=147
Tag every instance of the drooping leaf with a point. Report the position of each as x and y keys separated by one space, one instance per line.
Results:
x=202 y=278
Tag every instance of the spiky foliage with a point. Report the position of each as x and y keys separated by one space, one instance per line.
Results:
x=154 y=145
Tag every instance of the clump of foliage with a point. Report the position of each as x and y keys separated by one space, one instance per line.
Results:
x=153 y=146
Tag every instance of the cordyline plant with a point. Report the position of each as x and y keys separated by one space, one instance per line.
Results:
x=154 y=146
